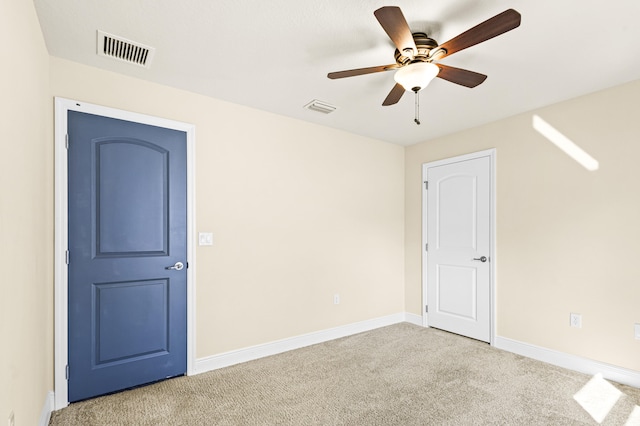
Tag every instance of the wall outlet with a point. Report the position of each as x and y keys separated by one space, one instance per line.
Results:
x=12 y=419
x=336 y=299
x=575 y=320
x=636 y=331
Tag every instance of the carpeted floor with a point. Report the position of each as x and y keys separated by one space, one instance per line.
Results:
x=397 y=375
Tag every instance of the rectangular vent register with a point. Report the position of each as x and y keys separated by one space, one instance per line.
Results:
x=124 y=50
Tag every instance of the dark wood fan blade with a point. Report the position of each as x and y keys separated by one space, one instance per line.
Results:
x=394 y=95
x=361 y=71
x=460 y=76
x=394 y=23
x=492 y=27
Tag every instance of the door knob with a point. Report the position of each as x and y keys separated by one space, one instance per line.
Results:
x=481 y=259
x=177 y=267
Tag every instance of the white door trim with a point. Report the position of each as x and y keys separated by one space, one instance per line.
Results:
x=491 y=153
x=62 y=106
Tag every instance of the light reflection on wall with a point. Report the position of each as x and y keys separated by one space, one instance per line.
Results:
x=565 y=144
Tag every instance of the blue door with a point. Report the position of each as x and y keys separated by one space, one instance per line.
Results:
x=127 y=226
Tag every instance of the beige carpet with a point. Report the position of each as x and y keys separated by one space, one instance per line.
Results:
x=397 y=375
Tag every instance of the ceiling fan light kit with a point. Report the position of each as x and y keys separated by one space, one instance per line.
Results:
x=416 y=53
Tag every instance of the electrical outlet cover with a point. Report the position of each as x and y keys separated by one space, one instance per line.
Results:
x=575 y=320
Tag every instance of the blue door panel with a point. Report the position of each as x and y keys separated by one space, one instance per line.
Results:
x=124 y=195
x=134 y=312
x=127 y=222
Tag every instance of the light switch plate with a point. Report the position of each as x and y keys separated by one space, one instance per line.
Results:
x=636 y=331
x=205 y=239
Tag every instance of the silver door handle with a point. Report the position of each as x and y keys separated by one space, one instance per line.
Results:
x=481 y=259
x=177 y=267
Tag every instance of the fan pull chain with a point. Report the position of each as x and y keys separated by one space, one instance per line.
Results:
x=417 y=119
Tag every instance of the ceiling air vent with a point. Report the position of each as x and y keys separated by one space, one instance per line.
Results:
x=319 y=106
x=124 y=50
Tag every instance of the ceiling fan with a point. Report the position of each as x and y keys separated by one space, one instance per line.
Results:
x=416 y=54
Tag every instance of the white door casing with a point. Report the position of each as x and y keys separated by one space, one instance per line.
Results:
x=62 y=106
x=458 y=245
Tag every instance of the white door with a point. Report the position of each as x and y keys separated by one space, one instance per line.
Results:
x=458 y=246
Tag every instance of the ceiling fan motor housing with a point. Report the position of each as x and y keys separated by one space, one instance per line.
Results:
x=424 y=44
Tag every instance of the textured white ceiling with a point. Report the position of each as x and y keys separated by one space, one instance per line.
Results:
x=275 y=55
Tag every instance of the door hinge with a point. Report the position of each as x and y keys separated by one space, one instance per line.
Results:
x=426 y=247
x=66 y=257
x=426 y=184
x=426 y=309
x=66 y=141
x=66 y=372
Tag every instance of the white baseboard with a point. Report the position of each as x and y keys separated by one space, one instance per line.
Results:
x=413 y=319
x=550 y=356
x=570 y=362
x=226 y=359
x=47 y=409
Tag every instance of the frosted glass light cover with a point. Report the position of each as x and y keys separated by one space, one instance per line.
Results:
x=417 y=75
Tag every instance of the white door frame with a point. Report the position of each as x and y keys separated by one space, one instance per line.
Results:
x=491 y=153
x=61 y=356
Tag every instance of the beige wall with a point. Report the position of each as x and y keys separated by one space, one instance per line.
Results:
x=566 y=237
x=298 y=212
x=26 y=216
